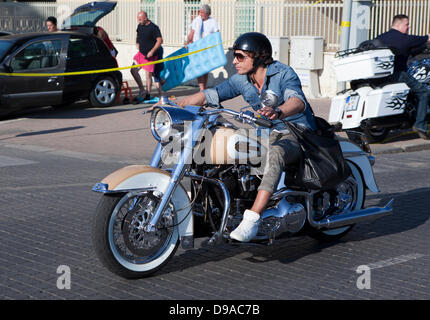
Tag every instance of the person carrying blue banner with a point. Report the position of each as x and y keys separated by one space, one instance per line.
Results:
x=202 y=26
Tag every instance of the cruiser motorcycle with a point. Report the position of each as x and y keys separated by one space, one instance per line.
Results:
x=374 y=104
x=146 y=211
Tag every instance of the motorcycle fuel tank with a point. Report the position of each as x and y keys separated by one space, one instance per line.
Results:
x=235 y=146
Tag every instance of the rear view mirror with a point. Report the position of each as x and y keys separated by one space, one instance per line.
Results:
x=269 y=99
x=7 y=65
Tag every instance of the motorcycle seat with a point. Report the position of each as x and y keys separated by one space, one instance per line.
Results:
x=373 y=83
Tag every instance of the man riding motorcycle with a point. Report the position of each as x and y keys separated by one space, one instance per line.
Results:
x=401 y=43
x=257 y=72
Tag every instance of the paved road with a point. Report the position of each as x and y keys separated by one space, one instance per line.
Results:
x=122 y=132
x=49 y=161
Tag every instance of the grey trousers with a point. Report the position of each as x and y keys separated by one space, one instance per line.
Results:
x=283 y=151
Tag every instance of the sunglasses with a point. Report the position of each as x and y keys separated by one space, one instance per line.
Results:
x=239 y=57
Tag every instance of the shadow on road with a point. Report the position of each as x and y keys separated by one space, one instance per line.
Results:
x=77 y=110
x=410 y=212
x=83 y=110
x=35 y=133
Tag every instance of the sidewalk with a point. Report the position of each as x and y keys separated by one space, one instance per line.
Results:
x=397 y=141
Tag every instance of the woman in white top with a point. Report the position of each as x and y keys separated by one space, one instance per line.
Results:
x=202 y=26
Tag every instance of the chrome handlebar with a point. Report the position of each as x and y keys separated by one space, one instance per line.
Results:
x=246 y=116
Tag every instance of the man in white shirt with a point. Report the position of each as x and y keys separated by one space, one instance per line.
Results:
x=202 y=26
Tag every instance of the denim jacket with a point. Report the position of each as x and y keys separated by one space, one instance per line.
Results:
x=280 y=78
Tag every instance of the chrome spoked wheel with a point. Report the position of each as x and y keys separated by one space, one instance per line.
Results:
x=350 y=197
x=131 y=245
x=120 y=240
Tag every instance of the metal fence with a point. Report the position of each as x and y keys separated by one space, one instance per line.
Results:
x=274 y=18
x=20 y=18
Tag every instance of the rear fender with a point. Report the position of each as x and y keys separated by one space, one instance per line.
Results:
x=354 y=154
x=137 y=178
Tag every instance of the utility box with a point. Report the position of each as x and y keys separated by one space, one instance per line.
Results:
x=280 y=47
x=307 y=53
x=306 y=57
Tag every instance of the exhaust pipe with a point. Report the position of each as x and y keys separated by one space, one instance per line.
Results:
x=343 y=220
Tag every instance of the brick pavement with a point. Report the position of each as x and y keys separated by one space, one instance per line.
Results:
x=45 y=214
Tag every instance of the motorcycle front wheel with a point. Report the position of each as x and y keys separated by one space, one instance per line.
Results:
x=120 y=240
x=354 y=188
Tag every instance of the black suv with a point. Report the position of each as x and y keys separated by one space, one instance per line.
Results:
x=53 y=53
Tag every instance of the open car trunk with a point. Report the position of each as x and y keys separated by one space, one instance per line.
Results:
x=85 y=17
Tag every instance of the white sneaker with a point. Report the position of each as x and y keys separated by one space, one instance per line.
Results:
x=248 y=228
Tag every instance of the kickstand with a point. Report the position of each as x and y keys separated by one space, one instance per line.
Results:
x=271 y=239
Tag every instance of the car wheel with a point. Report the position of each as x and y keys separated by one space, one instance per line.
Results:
x=104 y=92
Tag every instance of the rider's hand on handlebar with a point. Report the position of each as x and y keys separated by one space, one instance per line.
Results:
x=197 y=99
x=182 y=103
x=268 y=112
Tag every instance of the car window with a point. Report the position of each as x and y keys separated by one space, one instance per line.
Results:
x=4 y=47
x=81 y=48
x=38 y=55
x=85 y=18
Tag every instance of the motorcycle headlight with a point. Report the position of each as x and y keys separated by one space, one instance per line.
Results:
x=168 y=122
x=161 y=124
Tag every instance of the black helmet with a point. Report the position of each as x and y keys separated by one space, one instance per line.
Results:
x=254 y=42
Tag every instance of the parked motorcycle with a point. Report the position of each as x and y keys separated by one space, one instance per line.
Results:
x=374 y=104
x=147 y=210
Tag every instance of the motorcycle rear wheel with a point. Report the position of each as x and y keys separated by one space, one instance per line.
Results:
x=376 y=135
x=354 y=186
x=120 y=242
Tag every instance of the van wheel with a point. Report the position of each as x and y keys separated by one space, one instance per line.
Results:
x=104 y=92
x=376 y=135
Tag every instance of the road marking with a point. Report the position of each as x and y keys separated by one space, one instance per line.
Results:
x=9 y=161
x=394 y=261
x=50 y=186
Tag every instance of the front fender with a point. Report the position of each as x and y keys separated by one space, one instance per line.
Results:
x=143 y=177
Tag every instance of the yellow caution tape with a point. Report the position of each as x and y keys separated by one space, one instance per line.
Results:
x=106 y=70
x=346 y=24
x=312 y=4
